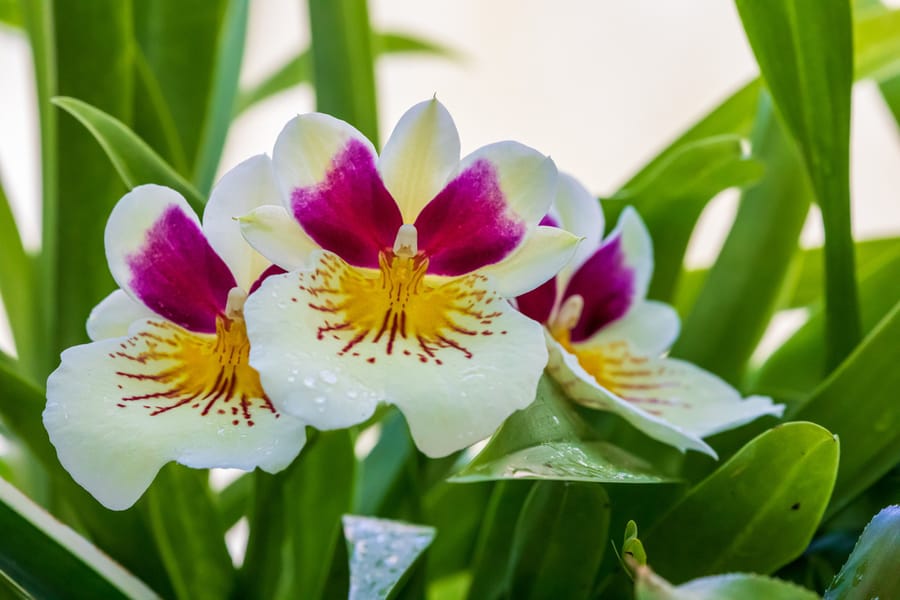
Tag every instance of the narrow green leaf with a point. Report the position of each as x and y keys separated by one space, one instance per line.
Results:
x=383 y=470
x=381 y=553
x=871 y=570
x=222 y=93
x=671 y=197
x=560 y=540
x=489 y=573
x=21 y=403
x=867 y=425
x=876 y=46
x=296 y=520
x=755 y=513
x=549 y=440
x=805 y=52
x=189 y=534
x=734 y=586
x=457 y=512
x=10 y=13
x=234 y=501
x=46 y=559
x=342 y=60
x=134 y=160
x=742 y=289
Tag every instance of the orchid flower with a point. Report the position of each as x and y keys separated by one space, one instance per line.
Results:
x=166 y=377
x=398 y=283
x=607 y=341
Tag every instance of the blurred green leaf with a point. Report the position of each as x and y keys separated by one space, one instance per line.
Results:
x=794 y=370
x=17 y=289
x=10 y=13
x=876 y=46
x=457 y=512
x=735 y=586
x=490 y=577
x=234 y=500
x=869 y=425
x=871 y=570
x=134 y=160
x=296 y=521
x=671 y=196
x=549 y=440
x=559 y=542
x=756 y=512
x=740 y=294
x=805 y=52
x=381 y=554
x=189 y=534
x=342 y=59
x=383 y=470
x=46 y=559
x=298 y=69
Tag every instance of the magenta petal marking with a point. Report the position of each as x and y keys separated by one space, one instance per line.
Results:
x=350 y=212
x=606 y=283
x=178 y=275
x=272 y=270
x=468 y=225
x=538 y=303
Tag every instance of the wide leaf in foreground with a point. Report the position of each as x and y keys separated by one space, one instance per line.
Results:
x=734 y=586
x=871 y=570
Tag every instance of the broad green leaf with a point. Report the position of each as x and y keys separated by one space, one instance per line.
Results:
x=491 y=556
x=94 y=63
x=871 y=570
x=10 y=13
x=189 y=534
x=550 y=440
x=858 y=402
x=805 y=53
x=381 y=554
x=559 y=541
x=296 y=520
x=734 y=586
x=740 y=294
x=795 y=369
x=18 y=290
x=671 y=197
x=755 y=513
x=342 y=59
x=46 y=559
x=134 y=160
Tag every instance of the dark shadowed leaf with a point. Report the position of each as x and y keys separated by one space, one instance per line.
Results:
x=871 y=570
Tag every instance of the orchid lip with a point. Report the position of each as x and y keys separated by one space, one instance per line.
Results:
x=406 y=243
x=567 y=316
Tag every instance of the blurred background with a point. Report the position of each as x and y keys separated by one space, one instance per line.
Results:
x=600 y=86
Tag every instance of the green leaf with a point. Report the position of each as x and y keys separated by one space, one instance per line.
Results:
x=734 y=586
x=46 y=559
x=549 y=440
x=560 y=540
x=189 y=533
x=381 y=554
x=805 y=53
x=298 y=69
x=869 y=425
x=740 y=294
x=384 y=469
x=876 y=47
x=234 y=500
x=134 y=160
x=342 y=60
x=795 y=369
x=756 y=512
x=671 y=197
x=489 y=573
x=10 y=13
x=296 y=520
x=871 y=570
x=457 y=512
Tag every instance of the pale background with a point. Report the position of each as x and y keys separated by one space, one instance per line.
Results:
x=600 y=86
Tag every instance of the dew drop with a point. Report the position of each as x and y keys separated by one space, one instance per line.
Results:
x=309 y=382
x=328 y=377
x=319 y=400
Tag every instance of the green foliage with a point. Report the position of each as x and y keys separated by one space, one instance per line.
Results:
x=871 y=570
x=736 y=586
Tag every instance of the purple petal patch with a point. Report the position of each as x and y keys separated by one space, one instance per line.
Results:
x=350 y=212
x=272 y=270
x=538 y=303
x=468 y=224
x=607 y=285
x=178 y=275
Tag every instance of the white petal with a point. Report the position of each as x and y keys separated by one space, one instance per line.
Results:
x=578 y=211
x=463 y=361
x=541 y=257
x=527 y=178
x=275 y=234
x=420 y=156
x=306 y=147
x=638 y=249
x=114 y=315
x=247 y=186
x=103 y=415
x=650 y=328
